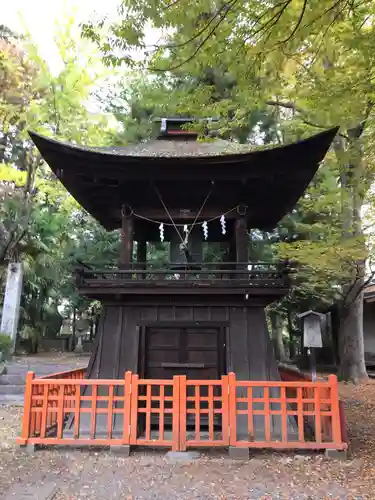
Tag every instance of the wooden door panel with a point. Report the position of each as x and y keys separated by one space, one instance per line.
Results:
x=194 y=352
x=162 y=356
x=203 y=357
x=157 y=337
x=203 y=339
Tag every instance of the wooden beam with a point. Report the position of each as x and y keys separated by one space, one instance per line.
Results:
x=178 y=214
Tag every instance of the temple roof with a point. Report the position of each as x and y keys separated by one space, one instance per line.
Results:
x=269 y=181
x=177 y=148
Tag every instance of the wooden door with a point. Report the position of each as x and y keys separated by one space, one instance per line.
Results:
x=196 y=352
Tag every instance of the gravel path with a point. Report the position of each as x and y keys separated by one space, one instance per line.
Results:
x=148 y=475
x=46 y=363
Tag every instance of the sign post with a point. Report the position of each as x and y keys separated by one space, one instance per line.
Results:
x=312 y=336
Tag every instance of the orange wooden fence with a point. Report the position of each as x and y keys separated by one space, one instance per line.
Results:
x=44 y=410
x=289 y=375
x=181 y=413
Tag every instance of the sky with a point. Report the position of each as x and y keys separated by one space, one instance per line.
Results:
x=40 y=16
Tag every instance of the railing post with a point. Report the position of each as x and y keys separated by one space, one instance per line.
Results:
x=225 y=422
x=134 y=409
x=127 y=406
x=335 y=409
x=26 y=421
x=179 y=413
x=232 y=409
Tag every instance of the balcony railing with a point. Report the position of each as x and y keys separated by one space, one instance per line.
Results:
x=221 y=274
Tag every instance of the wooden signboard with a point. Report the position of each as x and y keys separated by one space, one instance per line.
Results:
x=312 y=336
x=312 y=331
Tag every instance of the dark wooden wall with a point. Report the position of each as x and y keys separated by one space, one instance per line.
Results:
x=369 y=331
x=247 y=344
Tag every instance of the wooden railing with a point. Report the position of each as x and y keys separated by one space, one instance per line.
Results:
x=259 y=274
x=46 y=399
x=290 y=375
x=182 y=413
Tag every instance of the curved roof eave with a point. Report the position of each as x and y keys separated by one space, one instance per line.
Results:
x=322 y=139
x=269 y=181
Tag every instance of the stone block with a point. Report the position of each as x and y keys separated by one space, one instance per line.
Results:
x=237 y=453
x=336 y=454
x=28 y=448
x=123 y=450
x=182 y=456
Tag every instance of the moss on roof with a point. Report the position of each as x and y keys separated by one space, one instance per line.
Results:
x=178 y=148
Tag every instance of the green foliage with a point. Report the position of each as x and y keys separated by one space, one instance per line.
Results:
x=40 y=223
x=5 y=342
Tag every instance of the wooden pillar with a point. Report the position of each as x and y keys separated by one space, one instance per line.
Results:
x=141 y=257
x=126 y=238
x=242 y=240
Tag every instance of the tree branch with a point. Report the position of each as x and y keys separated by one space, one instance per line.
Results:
x=292 y=106
x=273 y=21
x=172 y=4
x=227 y=6
x=299 y=21
x=258 y=29
x=201 y=44
x=359 y=291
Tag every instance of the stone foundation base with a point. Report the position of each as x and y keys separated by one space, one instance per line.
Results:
x=123 y=450
x=237 y=453
x=28 y=448
x=336 y=454
x=182 y=456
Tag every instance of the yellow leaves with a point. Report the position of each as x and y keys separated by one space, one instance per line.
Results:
x=324 y=266
x=11 y=174
x=290 y=71
x=49 y=189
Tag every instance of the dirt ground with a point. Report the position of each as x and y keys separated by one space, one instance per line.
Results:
x=96 y=474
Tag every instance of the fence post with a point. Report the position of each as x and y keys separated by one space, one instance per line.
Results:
x=225 y=408
x=335 y=409
x=232 y=409
x=134 y=409
x=127 y=406
x=26 y=431
x=178 y=417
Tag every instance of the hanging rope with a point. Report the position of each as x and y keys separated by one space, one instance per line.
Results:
x=184 y=241
x=154 y=221
x=200 y=210
x=169 y=215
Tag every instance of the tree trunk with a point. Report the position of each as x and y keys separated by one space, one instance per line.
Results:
x=74 y=329
x=292 y=347
x=277 y=336
x=353 y=187
x=351 y=345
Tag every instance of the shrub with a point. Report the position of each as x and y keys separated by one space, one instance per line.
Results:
x=5 y=342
